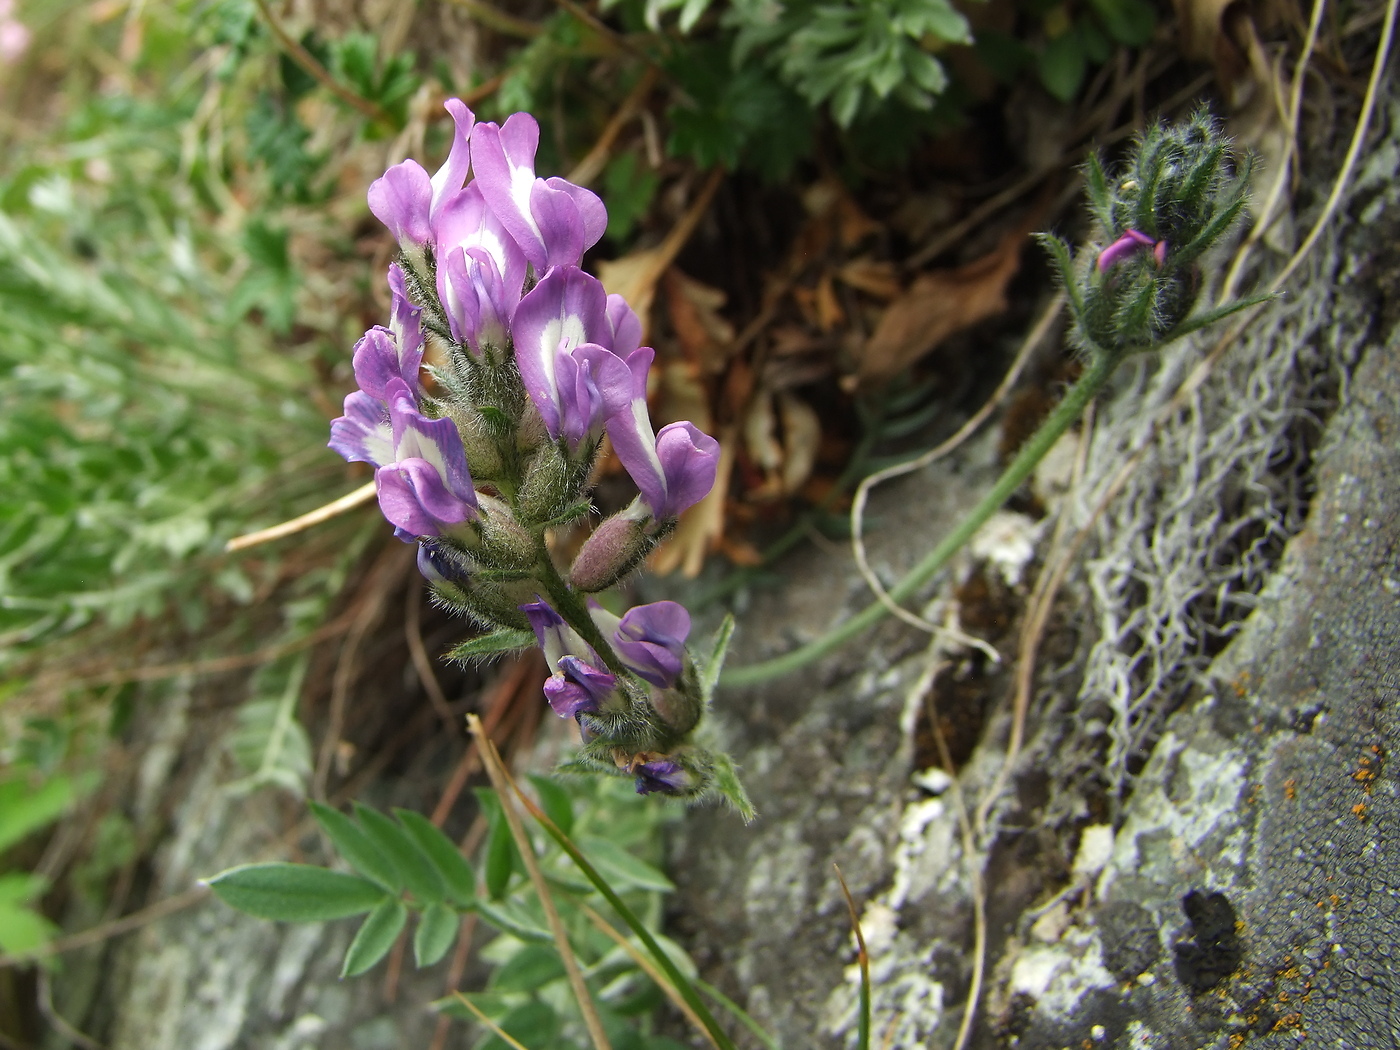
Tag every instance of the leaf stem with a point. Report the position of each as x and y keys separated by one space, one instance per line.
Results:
x=1101 y=366
x=668 y=966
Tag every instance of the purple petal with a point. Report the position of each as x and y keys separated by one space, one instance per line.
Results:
x=578 y=688
x=566 y=309
x=434 y=441
x=402 y=199
x=1129 y=244
x=560 y=225
x=504 y=161
x=625 y=324
x=364 y=434
x=556 y=638
x=593 y=384
x=651 y=641
x=632 y=437
x=593 y=216
x=453 y=173
x=406 y=323
x=474 y=298
x=441 y=567
x=664 y=776
x=414 y=499
x=466 y=222
x=377 y=360
x=689 y=459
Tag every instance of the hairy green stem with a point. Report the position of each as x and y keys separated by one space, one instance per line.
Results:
x=571 y=607
x=1101 y=366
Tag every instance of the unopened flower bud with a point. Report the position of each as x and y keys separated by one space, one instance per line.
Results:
x=679 y=708
x=504 y=543
x=551 y=485
x=616 y=547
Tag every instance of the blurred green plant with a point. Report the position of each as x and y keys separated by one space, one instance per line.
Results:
x=404 y=868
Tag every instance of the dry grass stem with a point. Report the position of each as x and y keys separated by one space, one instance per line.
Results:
x=333 y=509
x=495 y=769
x=647 y=967
x=500 y=1032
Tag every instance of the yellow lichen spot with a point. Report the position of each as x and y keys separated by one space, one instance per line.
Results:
x=1290 y=789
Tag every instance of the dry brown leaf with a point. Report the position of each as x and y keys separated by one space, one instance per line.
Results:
x=789 y=340
x=802 y=435
x=829 y=312
x=867 y=275
x=681 y=395
x=693 y=307
x=936 y=305
x=701 y=528
x=634 y=277
x=787 y=458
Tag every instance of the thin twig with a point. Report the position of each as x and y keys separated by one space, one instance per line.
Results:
x=107 y=930
x=1269 y=211
x=318 y=72
x=57 y=1020
x=862 y=960
x=381 y=578
x=500 y=1032
x=494 y=18
x=1358 y=139
x=496 y=771
x=862 y=494
x=197 y=668
x=413 y=634
x=333 y=509
x=646 y=966
x=593 y=162
x=605 y=31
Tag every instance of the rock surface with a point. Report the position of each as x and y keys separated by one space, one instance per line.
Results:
x=1243 y=891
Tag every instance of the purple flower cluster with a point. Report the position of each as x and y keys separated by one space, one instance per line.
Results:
x=481 y=406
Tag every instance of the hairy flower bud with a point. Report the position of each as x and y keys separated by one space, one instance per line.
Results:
x=504 y=544
x=1177 y=195
x=552 y=484
x=616 y=547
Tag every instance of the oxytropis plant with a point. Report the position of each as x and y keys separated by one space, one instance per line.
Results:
x=482 y=406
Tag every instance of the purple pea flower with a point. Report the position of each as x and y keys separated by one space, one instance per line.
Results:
x=481 y=270
x=1132 y=242
x=577 y=685
x=379 y=358
x=664 y=776
x=675 y=468
x=365 y=434
x=649 y=639
x=428 y=488
x=552 y=220
x=578 y=688
x=405 y=199
x=562 y=333
x=555 y=636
